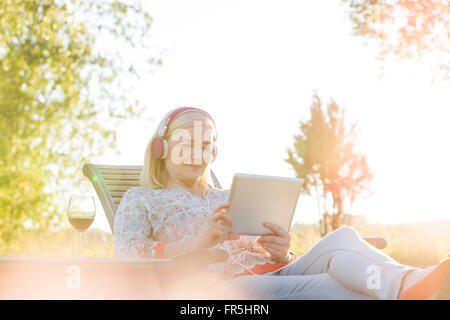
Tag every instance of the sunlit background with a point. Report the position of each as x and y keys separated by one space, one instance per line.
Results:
x=254 y=66
x=88 y=81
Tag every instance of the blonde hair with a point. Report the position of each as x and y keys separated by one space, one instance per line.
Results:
x=154 y=174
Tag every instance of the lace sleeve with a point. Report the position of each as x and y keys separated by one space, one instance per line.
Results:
x=133 y=230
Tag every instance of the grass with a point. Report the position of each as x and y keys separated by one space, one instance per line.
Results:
x=418 y=245
x=63 y=243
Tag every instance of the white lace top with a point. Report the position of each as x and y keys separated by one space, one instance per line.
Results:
x=147 y=219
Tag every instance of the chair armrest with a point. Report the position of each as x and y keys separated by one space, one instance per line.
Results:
x=377 y=242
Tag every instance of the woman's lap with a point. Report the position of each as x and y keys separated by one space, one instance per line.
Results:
x=327 y=271
x=300 y=287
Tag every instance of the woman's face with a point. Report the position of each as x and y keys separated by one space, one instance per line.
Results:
x=190 y=151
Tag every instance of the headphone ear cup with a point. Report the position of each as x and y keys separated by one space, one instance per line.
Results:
x=159 y=148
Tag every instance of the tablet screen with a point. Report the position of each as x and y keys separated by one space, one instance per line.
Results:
x=255 y=199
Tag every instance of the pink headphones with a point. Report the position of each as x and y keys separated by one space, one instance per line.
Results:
x=159 y=144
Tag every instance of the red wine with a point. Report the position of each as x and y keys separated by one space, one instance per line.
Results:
x=81 y=224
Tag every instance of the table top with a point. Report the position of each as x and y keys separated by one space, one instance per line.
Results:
x=12 y=261
x=99 y=278
x=80 y=259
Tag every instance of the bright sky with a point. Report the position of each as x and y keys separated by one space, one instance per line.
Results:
x=254 y=66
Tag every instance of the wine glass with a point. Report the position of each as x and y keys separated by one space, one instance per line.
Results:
x=81 y=214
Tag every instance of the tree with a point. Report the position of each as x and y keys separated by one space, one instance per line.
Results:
x=406 y=29
x=63 y=68
x=325 y=155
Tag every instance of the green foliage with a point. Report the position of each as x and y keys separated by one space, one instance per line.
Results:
x=325 y=155
x=60 y=73
x=412 y=29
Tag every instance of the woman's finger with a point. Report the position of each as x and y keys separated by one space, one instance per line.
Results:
x=275 y=249
x=233 y=236
x=224 y=205
x=274 y=239
x=276 y=229
x=277 y=254
x=220 y=227
x=274 y=246
x=224 y=216
x=221 y=232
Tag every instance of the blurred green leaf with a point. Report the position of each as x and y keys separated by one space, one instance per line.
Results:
x=61 y=87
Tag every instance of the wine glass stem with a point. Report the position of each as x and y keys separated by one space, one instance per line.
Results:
x=79 y=244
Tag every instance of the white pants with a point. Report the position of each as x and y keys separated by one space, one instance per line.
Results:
x=341 y=265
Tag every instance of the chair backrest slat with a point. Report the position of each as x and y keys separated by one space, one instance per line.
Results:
x=112 y=182
x=117 y=194
x=131 y=183
x=118 y=188
x=121 y=176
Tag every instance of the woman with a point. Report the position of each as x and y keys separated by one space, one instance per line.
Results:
x=175 y=210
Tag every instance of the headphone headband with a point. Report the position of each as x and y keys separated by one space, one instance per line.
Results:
x=173 y=114
x=159 y=145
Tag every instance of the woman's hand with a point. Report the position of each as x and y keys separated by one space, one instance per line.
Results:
x=277 y=243
x=213 y=230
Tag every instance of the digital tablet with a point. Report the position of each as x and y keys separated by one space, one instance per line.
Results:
x=254 y=199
